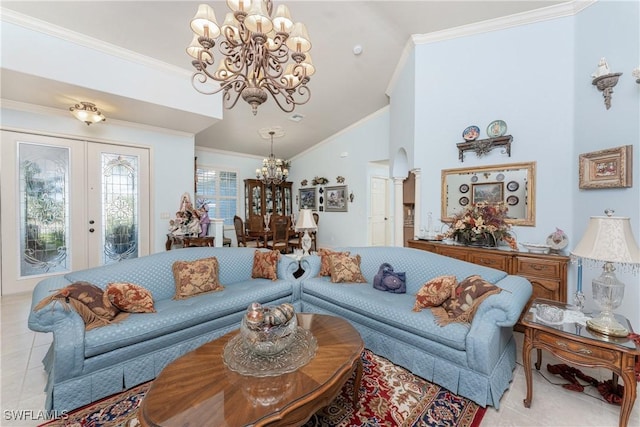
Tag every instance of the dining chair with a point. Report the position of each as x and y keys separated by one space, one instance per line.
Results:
x=243 y=238
x=280 y=226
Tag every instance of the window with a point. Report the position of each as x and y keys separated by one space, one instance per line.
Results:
x=219 y=191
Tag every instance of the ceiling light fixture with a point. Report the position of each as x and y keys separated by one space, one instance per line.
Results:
x=259 y=55
x=273 y=170
x=87 y=112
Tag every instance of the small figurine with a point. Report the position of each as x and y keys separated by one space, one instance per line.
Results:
x=602 y=70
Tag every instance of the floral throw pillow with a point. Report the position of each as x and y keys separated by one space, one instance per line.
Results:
x=89 y=301
x=325 y=267
x=196 y=277
x=345 y=268
x=464 y=303
x=130 y=297
x=435 y=292
x=265 y=265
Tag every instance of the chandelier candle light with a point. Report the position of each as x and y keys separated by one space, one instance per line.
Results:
x=259 y=54
x=273 y=170
x=306 y=223
x=610 y=240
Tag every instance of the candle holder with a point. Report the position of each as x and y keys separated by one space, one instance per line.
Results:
x=578 y=300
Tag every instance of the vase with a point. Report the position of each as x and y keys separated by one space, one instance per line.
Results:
x=479 y=240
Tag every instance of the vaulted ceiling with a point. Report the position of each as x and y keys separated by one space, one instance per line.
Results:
x=345 y=89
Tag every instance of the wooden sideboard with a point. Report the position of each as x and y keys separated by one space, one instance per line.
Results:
x=547 y=273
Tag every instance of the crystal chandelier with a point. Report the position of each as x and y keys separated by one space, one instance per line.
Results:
x=273 y=170
x=259 y=55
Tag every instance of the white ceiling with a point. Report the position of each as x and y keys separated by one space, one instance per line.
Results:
x=345 y=88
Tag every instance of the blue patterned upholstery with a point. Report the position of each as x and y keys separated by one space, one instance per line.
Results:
x=85 y=366
x=475 y=361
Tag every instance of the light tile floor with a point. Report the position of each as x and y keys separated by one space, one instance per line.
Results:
x=23 y=380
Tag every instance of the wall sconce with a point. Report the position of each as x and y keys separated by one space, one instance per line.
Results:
x=87 y=112
x=605 y=81
x=636 y=73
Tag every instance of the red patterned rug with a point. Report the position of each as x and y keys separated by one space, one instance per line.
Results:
x=389 y=396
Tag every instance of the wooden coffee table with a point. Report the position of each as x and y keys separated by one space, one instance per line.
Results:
x=198 y=389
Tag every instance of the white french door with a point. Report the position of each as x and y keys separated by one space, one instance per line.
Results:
x=69 y=205
x=379 y=223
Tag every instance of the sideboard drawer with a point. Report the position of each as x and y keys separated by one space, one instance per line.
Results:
x=526 y=266
x=490 y=260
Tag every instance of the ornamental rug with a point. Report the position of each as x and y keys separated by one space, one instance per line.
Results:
x=389 y=396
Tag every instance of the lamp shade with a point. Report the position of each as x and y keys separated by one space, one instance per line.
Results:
x=305 y=221
x=608 y=239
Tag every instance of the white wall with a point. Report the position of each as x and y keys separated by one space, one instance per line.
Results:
x=171 y=155
x=364 y=142
x=608 y=29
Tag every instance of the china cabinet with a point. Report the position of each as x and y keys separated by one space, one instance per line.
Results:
x=261 y=199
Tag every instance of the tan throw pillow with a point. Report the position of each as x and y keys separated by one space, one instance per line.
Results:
x=462 y=306
x=265 y=265
x=130 y=297
x=435 y=292
x=345 y=268
x=90 y=301
x=196 y=277
x=325 y=267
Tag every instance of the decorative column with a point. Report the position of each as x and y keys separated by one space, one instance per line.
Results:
x=218 y=231
x=398 y=214
x=417 y=203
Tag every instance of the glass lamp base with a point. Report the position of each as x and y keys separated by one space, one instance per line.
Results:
x=607 y=326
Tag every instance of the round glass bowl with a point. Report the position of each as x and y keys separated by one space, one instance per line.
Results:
x=268 y=340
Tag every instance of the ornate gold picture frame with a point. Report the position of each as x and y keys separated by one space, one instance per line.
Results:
x=610 y=168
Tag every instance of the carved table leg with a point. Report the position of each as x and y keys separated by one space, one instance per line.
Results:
x=356 y=383
x=629 y=397
x=539 y=360
x=527 y=346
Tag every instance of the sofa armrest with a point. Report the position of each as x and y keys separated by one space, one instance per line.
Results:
x=493 y=323
x=311 y=266
x=68 y=328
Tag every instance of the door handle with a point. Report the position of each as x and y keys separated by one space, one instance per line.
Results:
x=91 y=230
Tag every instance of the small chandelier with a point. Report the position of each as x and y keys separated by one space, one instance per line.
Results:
x=260 y=55
x=273 y=170
x=87 y=112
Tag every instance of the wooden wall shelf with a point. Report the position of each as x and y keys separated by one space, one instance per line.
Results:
x=484 y=146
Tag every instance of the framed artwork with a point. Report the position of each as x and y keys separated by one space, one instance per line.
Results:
x=308 y=198
x=610 y=168
x=336 y=199
x=490 y=192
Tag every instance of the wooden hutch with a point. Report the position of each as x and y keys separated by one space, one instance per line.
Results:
x=260 y=199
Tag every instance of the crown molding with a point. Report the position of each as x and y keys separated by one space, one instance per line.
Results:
x=34 y=24
x=538 y=15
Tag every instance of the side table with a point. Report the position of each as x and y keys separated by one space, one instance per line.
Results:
x=579 y=345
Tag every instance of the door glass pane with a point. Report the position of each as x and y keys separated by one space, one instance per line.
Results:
x=44 y=209
x=120 y=207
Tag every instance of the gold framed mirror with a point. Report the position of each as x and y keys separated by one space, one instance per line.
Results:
x=513 y=184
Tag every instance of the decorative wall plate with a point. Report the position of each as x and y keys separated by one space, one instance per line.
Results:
x=474 y=178
x=513 y=185
x=512 y=200
x=496 y=128
x=500 y=177
x=471 y=133
x=464 y=188
x=464 y=201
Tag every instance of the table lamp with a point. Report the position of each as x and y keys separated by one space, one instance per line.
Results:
x=306 y=223
x=608 y=239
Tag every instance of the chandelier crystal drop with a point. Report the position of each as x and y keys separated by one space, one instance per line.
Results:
x=273 y=170
x=259 y=54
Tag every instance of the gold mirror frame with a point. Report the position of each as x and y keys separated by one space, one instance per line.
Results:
x=513 y=184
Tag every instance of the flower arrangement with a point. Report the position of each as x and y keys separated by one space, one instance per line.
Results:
x=482 y=222
x=319 y=180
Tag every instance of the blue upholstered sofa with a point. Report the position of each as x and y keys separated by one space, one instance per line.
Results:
x=85 y=366
x=475 y=361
